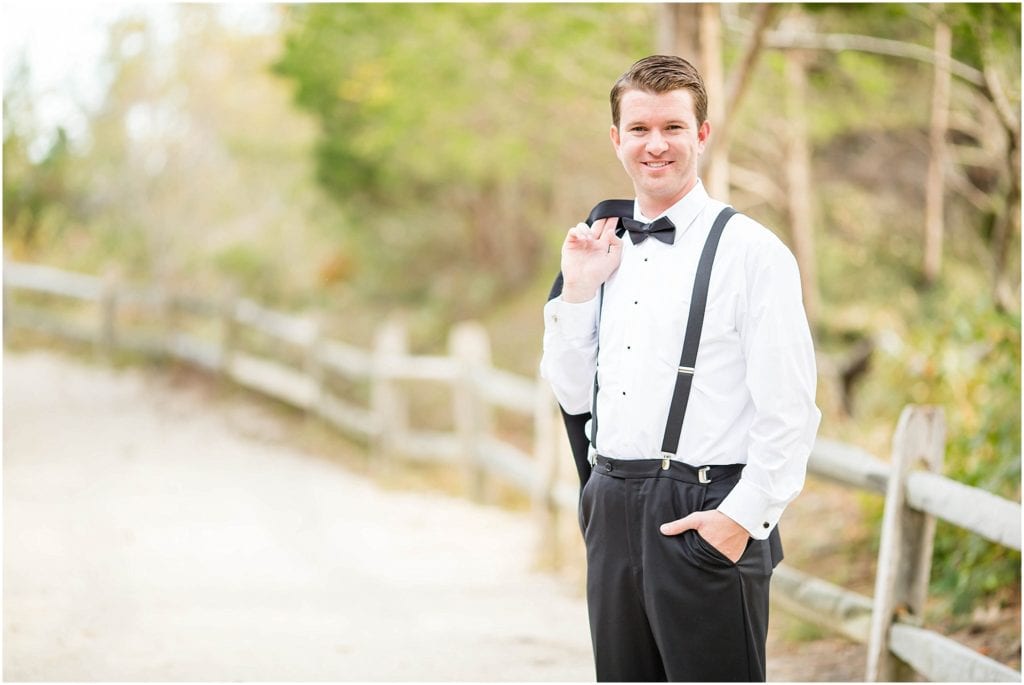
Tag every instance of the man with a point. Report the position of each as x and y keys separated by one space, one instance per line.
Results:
x=681 y=541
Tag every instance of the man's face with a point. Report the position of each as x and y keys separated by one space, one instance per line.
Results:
x=659 y=143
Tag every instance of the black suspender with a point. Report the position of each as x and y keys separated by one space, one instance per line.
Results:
x=691 y=342
x=688 y=360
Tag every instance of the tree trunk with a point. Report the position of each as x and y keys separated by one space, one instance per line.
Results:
x=716 y=173
x=798 y=177
x=935 y=189
x=677 y=31
x=1008 y=221
x=721 y=131
x=1007 y=226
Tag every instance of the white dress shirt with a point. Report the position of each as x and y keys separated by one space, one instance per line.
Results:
x=752 y=398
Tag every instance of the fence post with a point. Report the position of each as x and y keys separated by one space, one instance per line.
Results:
x=314 y=366
x=545 y=449
x=6 y=294
x=907 y=537
x=228 y=332
x=164 y=313
x=471 y=348
x=106 y=340
x=389 y=407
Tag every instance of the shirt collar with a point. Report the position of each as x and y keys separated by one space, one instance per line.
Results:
x=682 y=213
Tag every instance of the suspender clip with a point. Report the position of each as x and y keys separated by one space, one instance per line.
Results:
x=702 y=474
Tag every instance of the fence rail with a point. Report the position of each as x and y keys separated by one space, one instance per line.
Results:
x=915 y=493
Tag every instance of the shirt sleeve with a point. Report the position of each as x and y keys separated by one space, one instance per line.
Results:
x=570 y=352
x=781 y=377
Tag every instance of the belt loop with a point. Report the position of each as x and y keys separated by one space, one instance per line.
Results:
x=702 y=474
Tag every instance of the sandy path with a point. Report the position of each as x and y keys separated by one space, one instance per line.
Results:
x=148 y=537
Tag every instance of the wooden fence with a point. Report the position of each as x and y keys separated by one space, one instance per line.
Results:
x=301 y=366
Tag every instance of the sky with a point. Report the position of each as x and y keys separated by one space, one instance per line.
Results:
x=63 y=43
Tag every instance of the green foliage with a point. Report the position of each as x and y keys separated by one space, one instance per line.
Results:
x=956 y=351
x=449 y=126
x=37 y=193
x=983 y=28
x=249 y=268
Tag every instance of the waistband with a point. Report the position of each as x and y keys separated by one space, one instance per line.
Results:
x=665 y=468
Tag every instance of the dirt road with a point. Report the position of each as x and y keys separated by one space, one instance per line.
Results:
x=151 y=536
x=157 y=530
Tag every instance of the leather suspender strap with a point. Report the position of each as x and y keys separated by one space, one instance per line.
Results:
x=694 y=324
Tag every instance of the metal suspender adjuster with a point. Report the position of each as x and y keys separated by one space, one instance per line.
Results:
x=686 y=369
x=702 y=474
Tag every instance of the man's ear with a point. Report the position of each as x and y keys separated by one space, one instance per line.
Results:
x=703 y=133
x=614 y=133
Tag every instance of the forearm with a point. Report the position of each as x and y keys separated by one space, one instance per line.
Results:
x=781 y=377
x=570 y=352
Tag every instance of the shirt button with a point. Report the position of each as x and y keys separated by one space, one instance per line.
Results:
x=766 y=524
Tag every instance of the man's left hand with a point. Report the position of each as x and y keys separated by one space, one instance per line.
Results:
x=720 y=531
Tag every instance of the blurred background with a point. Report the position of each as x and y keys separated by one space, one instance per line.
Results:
x=422 y=162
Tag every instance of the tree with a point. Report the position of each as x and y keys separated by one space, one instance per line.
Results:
x=449 y=127
x=199 y=164
x=37 y=188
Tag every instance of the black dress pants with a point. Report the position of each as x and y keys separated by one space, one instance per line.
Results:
x=670 y=608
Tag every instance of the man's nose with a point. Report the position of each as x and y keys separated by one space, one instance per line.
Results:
x=656 y=143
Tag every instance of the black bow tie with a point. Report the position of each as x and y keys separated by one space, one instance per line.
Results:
x=663 y=229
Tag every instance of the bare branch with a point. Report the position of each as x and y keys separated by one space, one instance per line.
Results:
x=838 y=42
x=959 y=182
x=994 y=89
x=758 y=184
x=740 y=77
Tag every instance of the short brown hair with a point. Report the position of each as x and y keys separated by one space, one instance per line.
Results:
x=660 y=74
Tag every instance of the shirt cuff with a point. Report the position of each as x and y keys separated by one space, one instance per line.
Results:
x=752 y=508
x=571 y=320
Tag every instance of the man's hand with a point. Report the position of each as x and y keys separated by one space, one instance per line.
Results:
x=590 y=254
x=720 y=531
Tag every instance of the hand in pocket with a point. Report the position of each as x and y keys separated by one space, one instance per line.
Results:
x=717 y=529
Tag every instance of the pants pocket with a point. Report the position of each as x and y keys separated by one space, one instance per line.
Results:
x=706 y=551
x=586 y=506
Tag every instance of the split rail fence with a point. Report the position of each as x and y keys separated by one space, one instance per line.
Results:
x=299 y=365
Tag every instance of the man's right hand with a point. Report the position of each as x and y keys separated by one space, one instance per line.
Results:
x=590 y=255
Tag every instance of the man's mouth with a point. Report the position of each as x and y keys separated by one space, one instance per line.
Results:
x=656 y=165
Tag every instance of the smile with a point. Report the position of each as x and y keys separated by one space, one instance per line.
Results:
x=656 y=165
